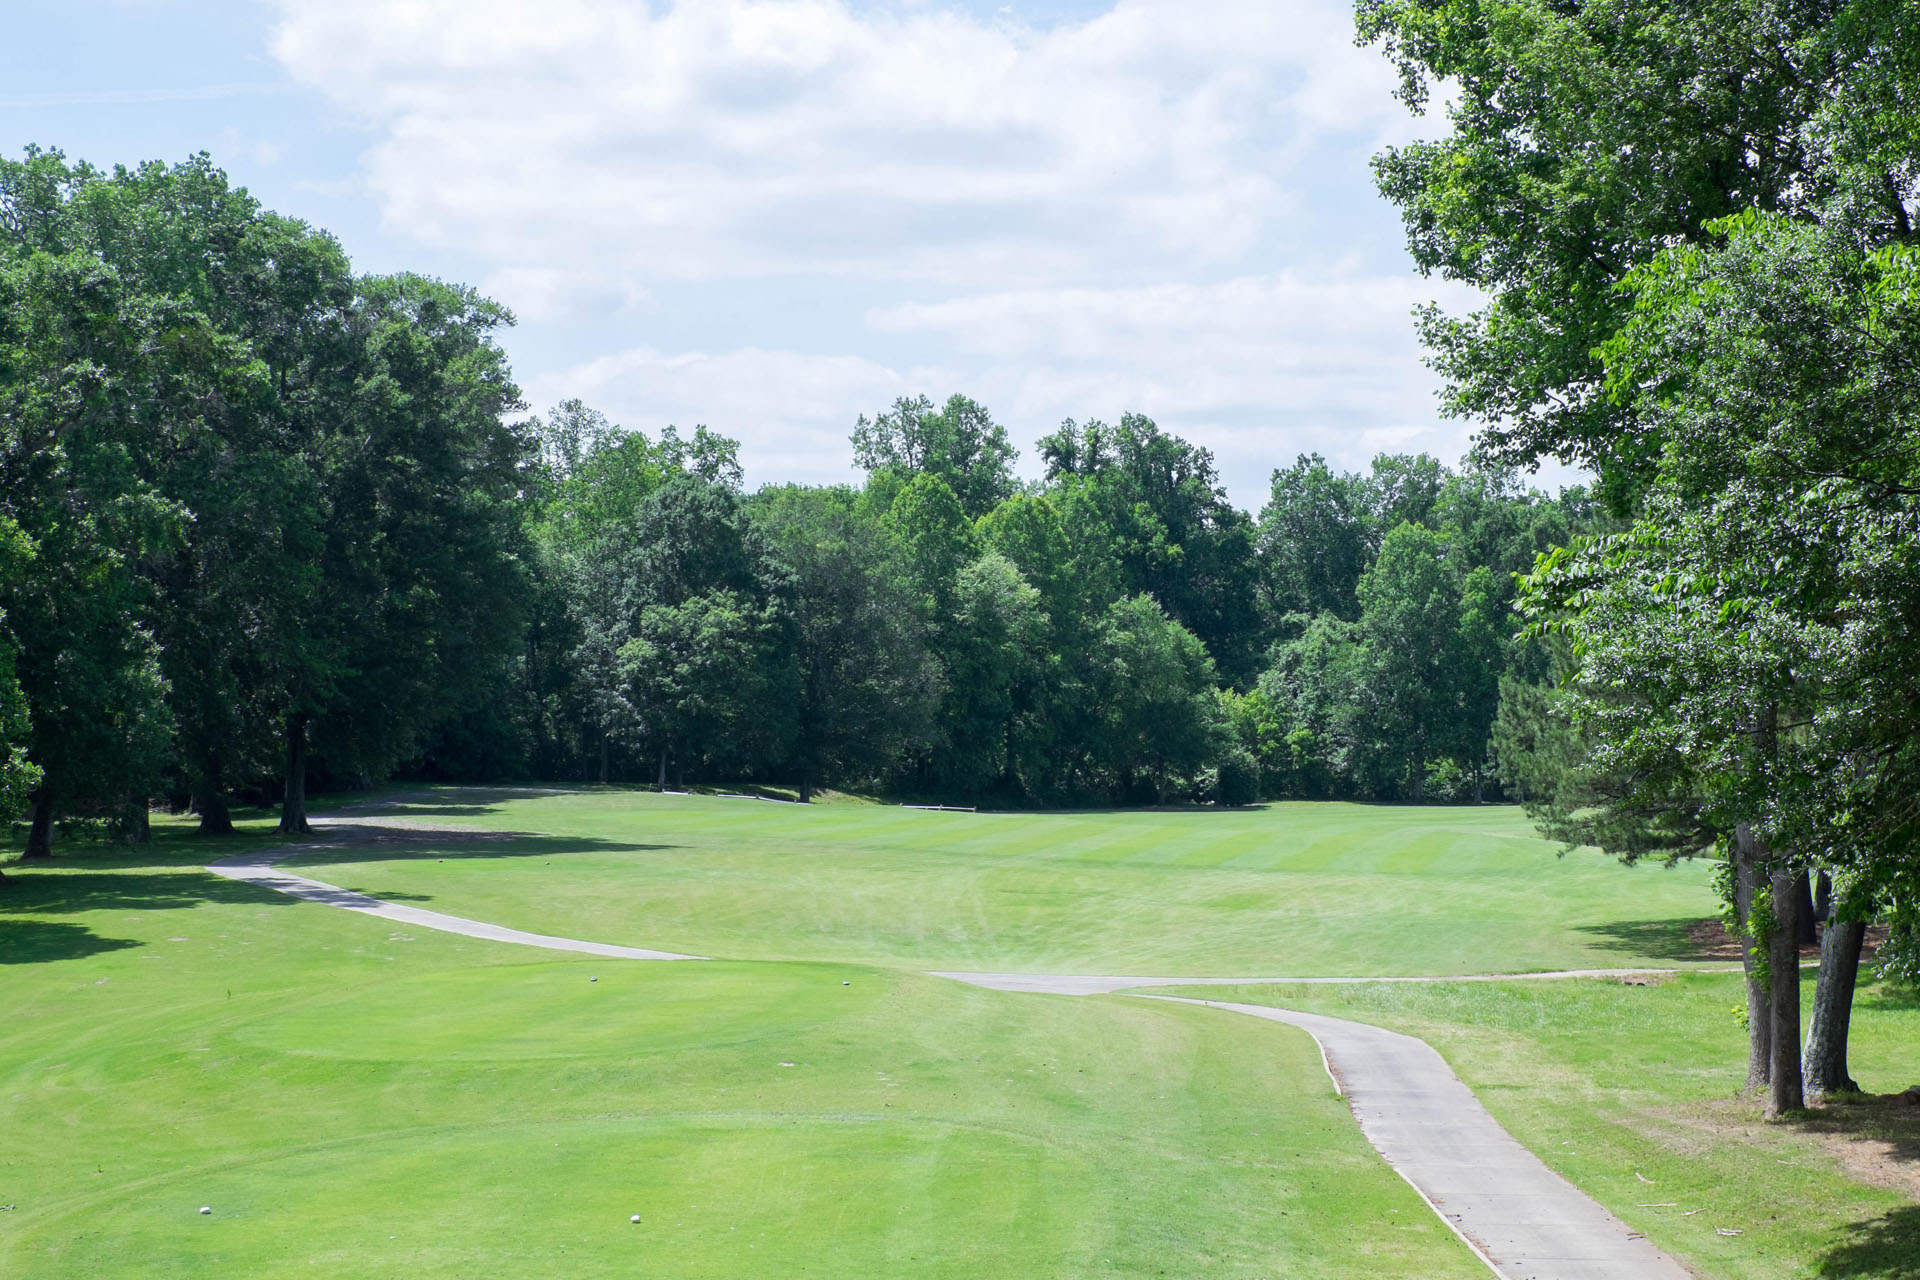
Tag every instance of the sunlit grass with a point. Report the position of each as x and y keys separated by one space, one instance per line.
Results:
x=353 y=1099
x=1287 y=889
x=1631 y=1092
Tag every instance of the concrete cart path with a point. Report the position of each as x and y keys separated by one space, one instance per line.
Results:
x=257 y=868
x=1080 y=985
x=1524 y=1220
x=1519 y=1217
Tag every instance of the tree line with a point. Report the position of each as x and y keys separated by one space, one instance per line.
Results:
x=256 y=511
x=1115 y=632
x=267 y=523
x=1694 y=225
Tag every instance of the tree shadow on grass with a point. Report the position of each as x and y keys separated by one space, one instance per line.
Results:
x=38 y=941
x=1884 y=1248
x=457 y=802
x=89 y=878
x=447 y=809
x=1876 y=1139
x=388 y=844
x=1874 y=1134
x=58 y=889
x=1885 y=996
x=62 y=889
x=1664 y=939
x=1194 y=810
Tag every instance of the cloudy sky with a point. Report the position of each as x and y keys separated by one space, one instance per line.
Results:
x=771 y=216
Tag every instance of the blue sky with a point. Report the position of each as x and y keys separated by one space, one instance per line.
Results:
x=773 y=215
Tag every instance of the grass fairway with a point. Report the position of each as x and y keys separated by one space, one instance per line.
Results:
x=359 y=1100
x=356 y=1101
x=1294 y=889
x=1631 y=1093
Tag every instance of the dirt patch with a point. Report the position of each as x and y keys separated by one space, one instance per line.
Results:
x=1711 y=941
x=1874 y=1138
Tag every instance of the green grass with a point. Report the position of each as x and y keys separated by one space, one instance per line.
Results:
x=1631 y=1093
x=1288 y=889
x=357 y=1100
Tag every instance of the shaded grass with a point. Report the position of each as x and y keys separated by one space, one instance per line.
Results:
x=1632 y=1093
x=1308 y=889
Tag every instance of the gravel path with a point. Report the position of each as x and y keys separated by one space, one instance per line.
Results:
x=1518 y=1216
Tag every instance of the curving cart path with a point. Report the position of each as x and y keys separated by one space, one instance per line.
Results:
x=1080 y=985
x=1522 y=1219
x=257 y=868
x=1525 y=1221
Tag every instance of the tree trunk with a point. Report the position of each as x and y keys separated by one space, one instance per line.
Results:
x=1825 y=1062
x=1476 y=783
x=1784 y=1089
x=806 y=787
x=1806 y=931
x=40 y=834
x=660 y=779
x=1746 y=886
x=293 y=813
x=136 y=826
x=210 y=802
x=1419 y=781
x=1823 y=898
x=605 y=770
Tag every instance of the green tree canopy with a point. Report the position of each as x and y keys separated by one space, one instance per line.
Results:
x=959 y=443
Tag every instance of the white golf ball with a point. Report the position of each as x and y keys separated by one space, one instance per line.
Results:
x=206 y=1208
x=634 y=1218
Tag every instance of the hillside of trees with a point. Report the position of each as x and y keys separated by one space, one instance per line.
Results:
x=269 y=523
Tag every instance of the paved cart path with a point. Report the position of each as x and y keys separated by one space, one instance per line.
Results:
x=258 y=868
x=1522 y=1219
x=1081 y=985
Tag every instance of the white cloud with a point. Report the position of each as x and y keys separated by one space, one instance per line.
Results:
x=1258 y=368
x=1065 y=220
x=715 y=138
x=790 y=411
x=544 y=294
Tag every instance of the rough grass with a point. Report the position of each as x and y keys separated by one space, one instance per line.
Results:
x=1286 y=889
x=1632 y=1093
